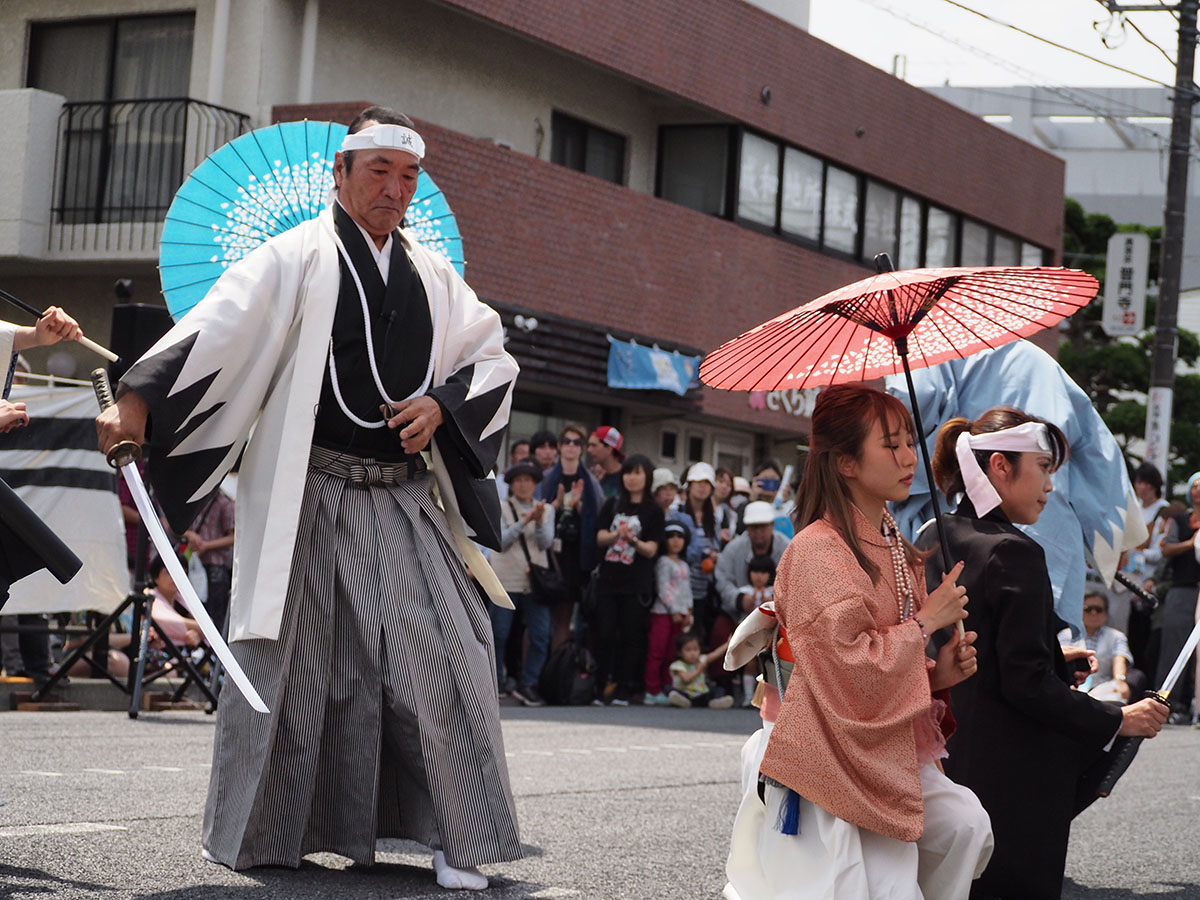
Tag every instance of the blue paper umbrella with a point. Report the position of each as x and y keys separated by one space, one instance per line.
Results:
x=260 y=185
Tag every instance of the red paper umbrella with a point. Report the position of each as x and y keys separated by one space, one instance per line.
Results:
x=869 y=329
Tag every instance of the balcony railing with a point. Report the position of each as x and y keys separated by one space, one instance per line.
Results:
x=118 y=165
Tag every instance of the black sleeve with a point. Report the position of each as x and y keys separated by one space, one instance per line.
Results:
x=655 y=522
x=1028 y=655
x=607 y=511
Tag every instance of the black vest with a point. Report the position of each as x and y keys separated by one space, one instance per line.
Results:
x=1185 y=571
x=402 y=334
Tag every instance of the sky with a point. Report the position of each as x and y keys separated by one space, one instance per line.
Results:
x=876 y=31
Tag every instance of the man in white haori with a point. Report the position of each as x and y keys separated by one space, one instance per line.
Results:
x=363 y=364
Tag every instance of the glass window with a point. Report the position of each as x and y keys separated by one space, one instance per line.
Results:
x=841 y=210
x=587 y=148
x=879 y=222
x=694 y=167
x=1006 y=250
x=941 y=237
x=909 y=254
x=758 y=180
x=974 y=243
x=801 y=213
x=1032 y=255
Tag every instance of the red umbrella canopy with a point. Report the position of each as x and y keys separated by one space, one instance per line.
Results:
x=935 y=314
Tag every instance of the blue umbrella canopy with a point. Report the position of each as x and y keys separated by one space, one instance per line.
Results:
x=260 y=185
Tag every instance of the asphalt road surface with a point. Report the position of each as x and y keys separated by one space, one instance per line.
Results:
x=613 y=803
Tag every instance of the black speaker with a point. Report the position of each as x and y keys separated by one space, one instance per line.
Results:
x=135 y=328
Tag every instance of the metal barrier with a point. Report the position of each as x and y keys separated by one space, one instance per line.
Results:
x=118 y=164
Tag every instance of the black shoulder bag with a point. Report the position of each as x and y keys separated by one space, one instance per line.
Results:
x=545 y=584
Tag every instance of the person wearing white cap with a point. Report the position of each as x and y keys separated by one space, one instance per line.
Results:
x=1024 y=736
x=665 y=489
x=699 y=510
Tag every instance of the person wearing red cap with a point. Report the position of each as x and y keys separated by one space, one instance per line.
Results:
x=604 y=449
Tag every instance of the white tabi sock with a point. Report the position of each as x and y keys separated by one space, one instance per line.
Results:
x=457 y=879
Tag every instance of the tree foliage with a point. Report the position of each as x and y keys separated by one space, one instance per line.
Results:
x=1115 y=372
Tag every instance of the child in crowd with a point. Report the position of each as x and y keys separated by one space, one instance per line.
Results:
x=671 y=612
x=761 y=574
x=687 y=674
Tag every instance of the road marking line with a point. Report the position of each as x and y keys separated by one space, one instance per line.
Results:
x=106 y=771
x=643 y=747
x=611 y=749
x=570 y=750
x=677 y=746
x=64 y=828
x=163 y=768
x=539 y=752
x=46 y=774
x=711 y=744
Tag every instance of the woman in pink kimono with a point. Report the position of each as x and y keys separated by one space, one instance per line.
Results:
x=854 y=802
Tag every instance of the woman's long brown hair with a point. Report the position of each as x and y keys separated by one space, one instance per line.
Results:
x=842 y=418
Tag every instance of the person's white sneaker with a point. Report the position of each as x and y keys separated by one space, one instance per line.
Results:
x=457 y=879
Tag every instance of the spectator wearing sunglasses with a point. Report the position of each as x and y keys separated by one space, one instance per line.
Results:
x=1113 y=679
x=575 y=494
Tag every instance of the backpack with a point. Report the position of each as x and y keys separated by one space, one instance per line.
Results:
x=569 y=676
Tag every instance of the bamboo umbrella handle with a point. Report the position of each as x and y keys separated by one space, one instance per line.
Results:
x=98 y=349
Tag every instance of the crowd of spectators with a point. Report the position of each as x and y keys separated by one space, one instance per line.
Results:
x=657 y=567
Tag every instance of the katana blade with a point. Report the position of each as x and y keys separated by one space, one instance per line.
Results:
x=170 y=559
x=1180 y=661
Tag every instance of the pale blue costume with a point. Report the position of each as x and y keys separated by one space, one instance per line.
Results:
x=1093 y=505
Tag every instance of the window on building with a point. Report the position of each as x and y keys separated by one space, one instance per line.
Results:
x=124 y=130
x=1032 y=255
x=588 y=148
x=1006 y=250
x=908 y=254
x=668 y=445
x=974 y=243
x=131 y=58
x=841 y=210
x=879 y=221
x=758 y=180
x=801 y=207
x=695 y=448
x=693 y=168
x=941 y=237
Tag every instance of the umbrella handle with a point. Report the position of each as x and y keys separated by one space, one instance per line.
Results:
x=943 y=544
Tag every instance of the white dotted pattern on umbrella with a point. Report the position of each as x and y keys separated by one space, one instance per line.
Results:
x=849 y=335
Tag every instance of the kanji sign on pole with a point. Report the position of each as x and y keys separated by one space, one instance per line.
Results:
x=1125 y=284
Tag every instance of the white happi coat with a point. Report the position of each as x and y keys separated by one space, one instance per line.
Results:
x=264 y=330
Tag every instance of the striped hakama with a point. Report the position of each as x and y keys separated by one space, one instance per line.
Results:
x=384 y=720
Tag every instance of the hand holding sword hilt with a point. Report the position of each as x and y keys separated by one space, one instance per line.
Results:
x=124 y=452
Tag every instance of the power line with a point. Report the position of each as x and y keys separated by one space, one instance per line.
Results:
x=1125 y=20
x=1055 y=44
x=1076 y=96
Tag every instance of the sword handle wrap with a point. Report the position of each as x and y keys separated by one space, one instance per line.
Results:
x=1123 y=751
x=125 y=452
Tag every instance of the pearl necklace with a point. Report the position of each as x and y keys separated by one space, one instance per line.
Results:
x=904 y=586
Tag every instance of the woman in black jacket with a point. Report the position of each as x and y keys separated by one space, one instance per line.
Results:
x=1024 y=736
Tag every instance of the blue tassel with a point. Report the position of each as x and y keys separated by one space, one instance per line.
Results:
x=789 y=814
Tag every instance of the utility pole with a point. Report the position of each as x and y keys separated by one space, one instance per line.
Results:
x=1166 y=334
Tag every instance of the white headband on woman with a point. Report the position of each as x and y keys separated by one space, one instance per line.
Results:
x=387 y=137
x=1028 y=437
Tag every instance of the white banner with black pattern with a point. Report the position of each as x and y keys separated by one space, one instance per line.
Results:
x=54 y=466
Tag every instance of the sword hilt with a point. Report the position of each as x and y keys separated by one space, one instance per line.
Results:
x=124 y=452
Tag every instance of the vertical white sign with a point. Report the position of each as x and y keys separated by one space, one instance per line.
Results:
x=1125 y=274
x=1158 y=427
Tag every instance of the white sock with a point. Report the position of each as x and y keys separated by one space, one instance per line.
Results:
x=457 y=879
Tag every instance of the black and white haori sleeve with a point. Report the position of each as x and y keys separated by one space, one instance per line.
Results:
x=476 y=399
x=8 y=354
x=205 y=381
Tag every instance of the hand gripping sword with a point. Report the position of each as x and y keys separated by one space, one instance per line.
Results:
x=1124 y=749
x=125 y=456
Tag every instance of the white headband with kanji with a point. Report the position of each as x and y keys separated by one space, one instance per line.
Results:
x=386 y=137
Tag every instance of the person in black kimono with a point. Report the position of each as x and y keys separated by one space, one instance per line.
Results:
x=1024 y=736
